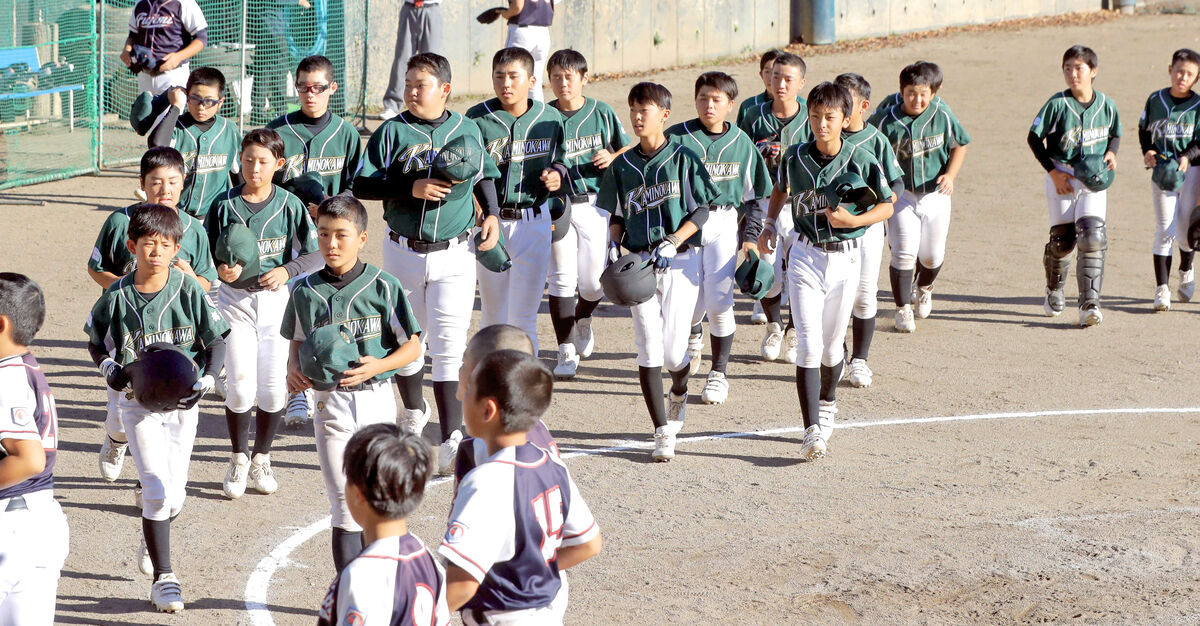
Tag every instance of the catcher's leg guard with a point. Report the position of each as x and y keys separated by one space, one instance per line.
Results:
x=1093 y=241
x=1057 y=255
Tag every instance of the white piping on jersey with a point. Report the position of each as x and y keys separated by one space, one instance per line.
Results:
x=607 y=135
x=196 y=140
x=110 y=341
x=429 y=166
x=765 y=113
x=813 y=177
x=511 y=141
x=308 y=283
x=625 y=156
x=1170 y=108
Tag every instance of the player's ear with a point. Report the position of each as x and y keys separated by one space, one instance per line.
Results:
x=333 y=86
x=279 y=162
x=491 y=411
x=131 y=245
x=362 y=238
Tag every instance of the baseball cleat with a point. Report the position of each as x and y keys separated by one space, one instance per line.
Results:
x=260 y=478
x=112 y=458
x=585 y=341
x=676 y=410
x=1089 y=315
x=1162 y=298
x=568 y=362
x=793 y=347
x=145 y=565
x=664 y=443
x=716 y=389
x=812 y=447
x=904 y=319
x=1055 y=302
x=299 y=408
x=924 y=301
x=166 y=595
x=695 y=353
x=860 y=375
x=772 y=343
x=413 y=421
x=235 y=478
x=758 y=317
x=386 y=114
x=1187 y=285
x=825 y=416
x=448 y=452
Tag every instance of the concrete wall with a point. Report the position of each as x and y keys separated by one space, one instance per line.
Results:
x=873 y=18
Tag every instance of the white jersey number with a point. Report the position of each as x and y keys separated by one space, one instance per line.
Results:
x=423 y=605
x=548 y=509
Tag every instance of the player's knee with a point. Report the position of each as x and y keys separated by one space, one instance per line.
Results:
x=865 y=308
x=412 y=368
x=1062 y=240
x=1090 y=234
x=904 y=261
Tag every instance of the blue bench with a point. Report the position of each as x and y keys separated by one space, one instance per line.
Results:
x=28 y=56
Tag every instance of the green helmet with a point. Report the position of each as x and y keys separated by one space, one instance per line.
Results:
x=851 y=191
x=328 y=351
x=237 y=245
x=496 y=259
x=1093 y=172
x=1167 y=175
x=754 y=276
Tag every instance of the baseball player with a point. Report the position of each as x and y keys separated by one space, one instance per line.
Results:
x=658 y=196
x=34 y=538
x=163 y=36
x=1167 y=134
x=524 y=138
x=207 y=141
x=371 y=305
x=529 y=29
x=157 y=303
x=254 y=306
x=1074 y=125
x=396 y=579
x=429 y=224
x=823 y=264
x=859 y=134
x=931 y=146
x=766 y=67
x=593 y=137
x=518 y=519
x=740 y=175
x=774 y=126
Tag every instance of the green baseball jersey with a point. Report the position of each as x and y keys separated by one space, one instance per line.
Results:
x=334 y=153
x=372 y=307
x=1172 y=126
x=873 y=141
x=592 y=128
x=124 y=321
x=1071 y=128
x=283 y=226
x=923 y=143
x=110 y=253
x=401 y=151
x=654 y=196
x=772 y=136
x=209 y=157
x=806 y=181
x=521 y=147
x=757 y=99
x=733 y=163
x=895 y=100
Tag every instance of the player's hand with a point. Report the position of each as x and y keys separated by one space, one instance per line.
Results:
x=1184 y=164
x=297 y=381
x=602 y=159
x=839 y=217
x=489 y=231
x=430 y=189
x=126 y=58
x=178 y=97
x=229 y=274
x=1062 y=182
x=551 y=179
x=663 y=256
x=945 y=184
x=275 y=278
x=202 y=386
x=182 y=265
x=114 y=375
x=1150 y=158
x=748 y=247
x=1110 y=159
x=304 y=4
x=170 y=62
x=768 y=239
x=614 y=253
x=368 y=368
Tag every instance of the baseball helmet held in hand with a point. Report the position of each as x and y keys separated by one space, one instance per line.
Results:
x=560 y=218
x=162 y=375
x=754 y=276
x=629 y=281
x=495 y=259
x=308 y=188
x=1093 y=172
x=328 y=351
x=1166 y=174
x=852 y=192
x=147 y=108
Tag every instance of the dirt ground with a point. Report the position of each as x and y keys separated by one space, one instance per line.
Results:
x=1090 y=516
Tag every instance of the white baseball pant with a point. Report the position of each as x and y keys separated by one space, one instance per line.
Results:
x=786 y=230
x=514 y=296
x=822 y=286
x=535 y=39
x=577 y=260
x=918 y=228
x=440 y=287
x=161 y=447
x=33 y=546
x=1173 y=212
x=661 y=325
x=1081 y=202
x=541 y=616
x=718 y=263
x=158 y=83
x=112 y=416
x=870 y=256
x=337 y=416
x=256 y=357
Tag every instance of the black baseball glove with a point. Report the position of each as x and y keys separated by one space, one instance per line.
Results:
x=490 y=15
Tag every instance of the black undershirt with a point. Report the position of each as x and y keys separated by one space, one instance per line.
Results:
x=315 y=124
x=340 y=282
x=711 y=135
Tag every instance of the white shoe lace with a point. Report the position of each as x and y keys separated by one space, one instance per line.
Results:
x=715 y=383
x=237 y=472
x=115 y=452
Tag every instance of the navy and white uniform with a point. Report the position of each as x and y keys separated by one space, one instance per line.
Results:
x=530 y=29
x=395 y=580
x=166 y=26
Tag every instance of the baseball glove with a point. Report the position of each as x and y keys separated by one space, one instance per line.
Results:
x=490 y=15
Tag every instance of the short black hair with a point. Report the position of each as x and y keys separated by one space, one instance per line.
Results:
x=568 y=59
x=504 y=56
x=718 y=80
x=921 y=74
x=1081 y=53
x=24 y=304
x=831 y=96
x=497 y=337
x=858 y=86
x=147 y=219
x=431 y=62
x=347 y=207
x=209 y=76
x=519 y=383
x=390 y=467
x=1185 y=55
x=316 y=63
x=266 y=138
x=768 y=57
x=788 y=59
x=650 y=93
x=160 y=156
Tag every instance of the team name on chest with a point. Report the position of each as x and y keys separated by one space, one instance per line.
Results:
x=417 y=157
x=644 y=198
x=810 y=201
x=1084 y=136
x=205 y=163
x=269 y=248
x=580 y=146
x=504 y=151
x=296 y=164
x=921 y=146
x=145 y=20
x=724 y=171
x=138 y=339
x=1166 y=129
x=364 y=327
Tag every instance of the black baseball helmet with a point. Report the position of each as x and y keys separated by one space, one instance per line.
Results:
x=308 y=188
x=162 y=375
x=560 y=218
x=629 y=281
x=755 y=276
x=1093 y=172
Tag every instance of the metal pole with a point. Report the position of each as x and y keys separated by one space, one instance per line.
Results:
x=362 y=92
x=98 y=107
x=242 y=73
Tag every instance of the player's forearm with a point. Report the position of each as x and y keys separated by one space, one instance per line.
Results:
x=957 y=156
x=460 y=587
x=104 y=279
x=876 y=214
x=1114 y=144
x=616 y=232
x=405 y=354
x=1038 y=147
x=486 y=197
x=213 y=357
x=204 y=282
x=514 y=9
x=775 y=205
x=574 y=555
x=164 y=131
x=97 y=353
x=26 y=458
x=692 y=223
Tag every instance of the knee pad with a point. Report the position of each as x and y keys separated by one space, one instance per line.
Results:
x=1062 y=240
x=1091 y=234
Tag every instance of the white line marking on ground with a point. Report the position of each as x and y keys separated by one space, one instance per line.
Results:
x=260 y=578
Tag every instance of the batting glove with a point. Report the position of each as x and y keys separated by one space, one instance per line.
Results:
x=202 y=386
x=614 y=252
x=114 y=375
x=664 y=254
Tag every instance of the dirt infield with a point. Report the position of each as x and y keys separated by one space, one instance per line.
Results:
x=1077 y=503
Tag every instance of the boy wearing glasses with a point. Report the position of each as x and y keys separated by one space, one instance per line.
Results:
x=208 y=142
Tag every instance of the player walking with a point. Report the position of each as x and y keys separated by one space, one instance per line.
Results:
x=163 y=36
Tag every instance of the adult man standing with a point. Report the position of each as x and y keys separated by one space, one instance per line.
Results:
x=163 y=36
x=420 y=31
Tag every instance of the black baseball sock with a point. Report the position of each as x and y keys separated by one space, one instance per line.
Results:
x=698 y=328
x=864 y=331
x=650 y=378
x=808 y=388
x=239 y=430
x=346 y=546
x=448 y=407
x=679 y=381
x=1162 y=268
x=721 y=347
x=266 y=424
x=562 y=315
x=829 y=380
x=410 y=390
x=1185 y=259
x=926 y=275
x=901 y=285
x=158 y=543
x=790 y=324
x=585 y=307
x=770 y=305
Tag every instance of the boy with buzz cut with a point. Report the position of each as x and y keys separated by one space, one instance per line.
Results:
x=207 y=141
x=658 y=196
x=593 y=137
x=775 y=125
x=524 y=137
x=253 y=300
x=156 y=304
x=931 y=146
x=741 y=177
x=823 y=270
x=370 y=304
x=766 y=65
x=396 y=579
x=429 y=221
x=36 y=536
x=518 y=519
x=1077 y=131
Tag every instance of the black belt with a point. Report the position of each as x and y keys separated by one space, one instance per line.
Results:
x=833 y=246
x=514 y=212
x=425 y=247
x=579 y=198
x=363 y=386
x=683 y=247
x=16 y=504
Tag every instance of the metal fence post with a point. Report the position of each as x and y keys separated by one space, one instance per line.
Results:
x=98 y=100
x=242 y=72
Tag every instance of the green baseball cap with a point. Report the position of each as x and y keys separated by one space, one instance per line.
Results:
x=851 y=191
x=237 y=245
x=496 y=259
x=754 y=276
x=328 y=351
x=1167 y=175
x=1093 y=172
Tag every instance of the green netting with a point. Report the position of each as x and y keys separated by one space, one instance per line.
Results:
x=48 y=113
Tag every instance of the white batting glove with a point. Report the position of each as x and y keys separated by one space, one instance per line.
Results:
x=614 y=252
x=114 y=375
x=663 y=255
x=202 y=386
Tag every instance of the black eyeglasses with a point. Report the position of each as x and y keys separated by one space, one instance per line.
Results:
x=316 y=88
x=203 y=102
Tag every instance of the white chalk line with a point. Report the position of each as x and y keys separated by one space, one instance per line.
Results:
x=260 y=578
